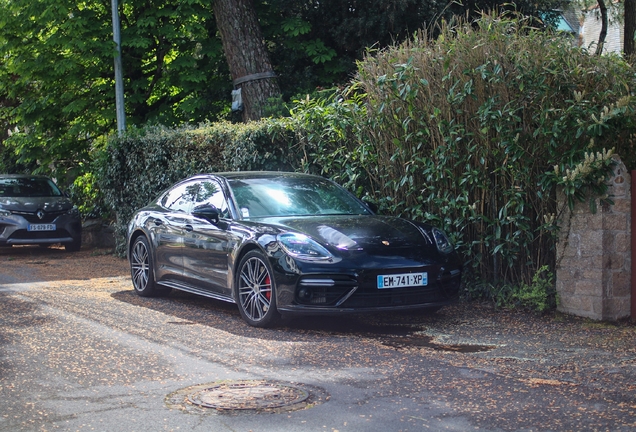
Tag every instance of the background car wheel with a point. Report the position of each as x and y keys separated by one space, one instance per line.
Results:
x=74 y=246
x=256 y=291
x=142 y=271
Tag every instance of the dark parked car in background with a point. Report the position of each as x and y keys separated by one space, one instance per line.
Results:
x=286 y=243
x=34 y=211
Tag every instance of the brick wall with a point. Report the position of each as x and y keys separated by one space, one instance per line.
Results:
x=594 y=256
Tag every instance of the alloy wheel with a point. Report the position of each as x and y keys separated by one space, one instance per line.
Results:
x=255 y=289
x=140 y=265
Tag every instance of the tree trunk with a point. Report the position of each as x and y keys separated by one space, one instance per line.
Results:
x=601 y=37
x=630 y=27
x=246 y=54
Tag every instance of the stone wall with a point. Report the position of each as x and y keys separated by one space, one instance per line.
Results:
x=97 y=234
x=594 y=256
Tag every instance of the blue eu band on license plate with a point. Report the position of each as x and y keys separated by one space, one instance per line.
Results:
x=402 y=280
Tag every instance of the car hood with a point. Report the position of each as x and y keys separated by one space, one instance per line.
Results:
x=374 y=234
x=33 y=204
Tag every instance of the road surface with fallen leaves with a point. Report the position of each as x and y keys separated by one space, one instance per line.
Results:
x=79 y=351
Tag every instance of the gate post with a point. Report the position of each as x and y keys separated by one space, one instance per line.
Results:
x=594 y=277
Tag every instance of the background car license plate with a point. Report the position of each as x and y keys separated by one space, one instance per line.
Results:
x=41 y=227
x=402 y=280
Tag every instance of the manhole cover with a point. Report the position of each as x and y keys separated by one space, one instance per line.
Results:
x=248 y=395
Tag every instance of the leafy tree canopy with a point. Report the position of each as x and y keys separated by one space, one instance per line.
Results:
x=316 y=43
x=57 y=81
x=56 y=62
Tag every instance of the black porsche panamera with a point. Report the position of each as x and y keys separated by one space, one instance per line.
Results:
x=282 y=243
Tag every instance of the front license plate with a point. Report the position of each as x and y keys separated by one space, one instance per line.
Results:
x=402 y=280
x=42 y=227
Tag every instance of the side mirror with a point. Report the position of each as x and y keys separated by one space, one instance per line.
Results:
x=207 y=212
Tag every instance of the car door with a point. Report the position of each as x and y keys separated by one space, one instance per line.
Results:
x=207 y=243
x=168 y=228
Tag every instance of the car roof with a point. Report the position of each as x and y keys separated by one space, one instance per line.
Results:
x=261 y=174
x=22 y=176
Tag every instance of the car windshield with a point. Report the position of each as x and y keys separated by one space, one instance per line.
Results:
x=293 y=196
x=28 y=187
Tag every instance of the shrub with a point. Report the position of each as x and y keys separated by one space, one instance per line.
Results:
x=137 y=166
x=467 y=131
x=87 y=196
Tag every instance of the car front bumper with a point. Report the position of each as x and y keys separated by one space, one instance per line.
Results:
x=14 y=230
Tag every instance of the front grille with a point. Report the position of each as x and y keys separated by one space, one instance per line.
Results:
x=345 y=291
x=443 y=286
x=39 y=235
x=395 y=297
x=33 y=218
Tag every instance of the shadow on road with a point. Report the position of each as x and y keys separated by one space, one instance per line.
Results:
x=190 y=309
x=23 y=264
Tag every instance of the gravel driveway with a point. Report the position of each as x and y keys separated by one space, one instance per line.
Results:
x=80 y=351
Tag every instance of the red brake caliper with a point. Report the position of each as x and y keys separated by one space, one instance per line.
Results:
x=268 y=294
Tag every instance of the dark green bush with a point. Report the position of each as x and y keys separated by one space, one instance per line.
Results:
x=137 y=166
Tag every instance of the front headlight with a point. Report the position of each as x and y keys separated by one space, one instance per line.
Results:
x=73 y=211
x=443 y=243
x=5 y=213
x=303 y=248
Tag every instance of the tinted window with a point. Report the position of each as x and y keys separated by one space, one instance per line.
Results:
x=293 y=196
x=210 y=192
x=180 y=198
x=184 y=197
x=28 y=187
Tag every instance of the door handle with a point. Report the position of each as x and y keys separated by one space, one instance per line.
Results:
x=189 y=228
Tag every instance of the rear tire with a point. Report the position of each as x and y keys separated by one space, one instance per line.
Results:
x=142 y=270
x=256 y=291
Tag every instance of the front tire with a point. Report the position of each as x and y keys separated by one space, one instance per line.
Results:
x=256 y=291
x=142 y=270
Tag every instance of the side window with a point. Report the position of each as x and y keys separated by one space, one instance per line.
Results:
x=210 y=192
x=181 y=198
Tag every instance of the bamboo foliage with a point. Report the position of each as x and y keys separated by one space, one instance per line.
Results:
x=465 y=131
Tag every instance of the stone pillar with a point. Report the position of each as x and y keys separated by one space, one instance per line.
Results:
x=593 y=275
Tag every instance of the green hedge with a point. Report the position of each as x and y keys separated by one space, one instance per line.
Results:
x=136 y=167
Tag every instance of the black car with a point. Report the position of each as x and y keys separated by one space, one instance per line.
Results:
x=34 y=211
x=282 y=243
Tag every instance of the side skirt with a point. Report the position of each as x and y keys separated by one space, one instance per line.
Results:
x=194 y=290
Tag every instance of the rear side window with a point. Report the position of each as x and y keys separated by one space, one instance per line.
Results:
x=184 y=197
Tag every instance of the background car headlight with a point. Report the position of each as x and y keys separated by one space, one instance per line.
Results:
x=441 y=240
x=303 y=248
x=73 y=211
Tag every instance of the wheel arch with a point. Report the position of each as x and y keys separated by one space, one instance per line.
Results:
x=134 y=236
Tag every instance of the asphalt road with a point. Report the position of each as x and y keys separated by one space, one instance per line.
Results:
x=80 y=352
